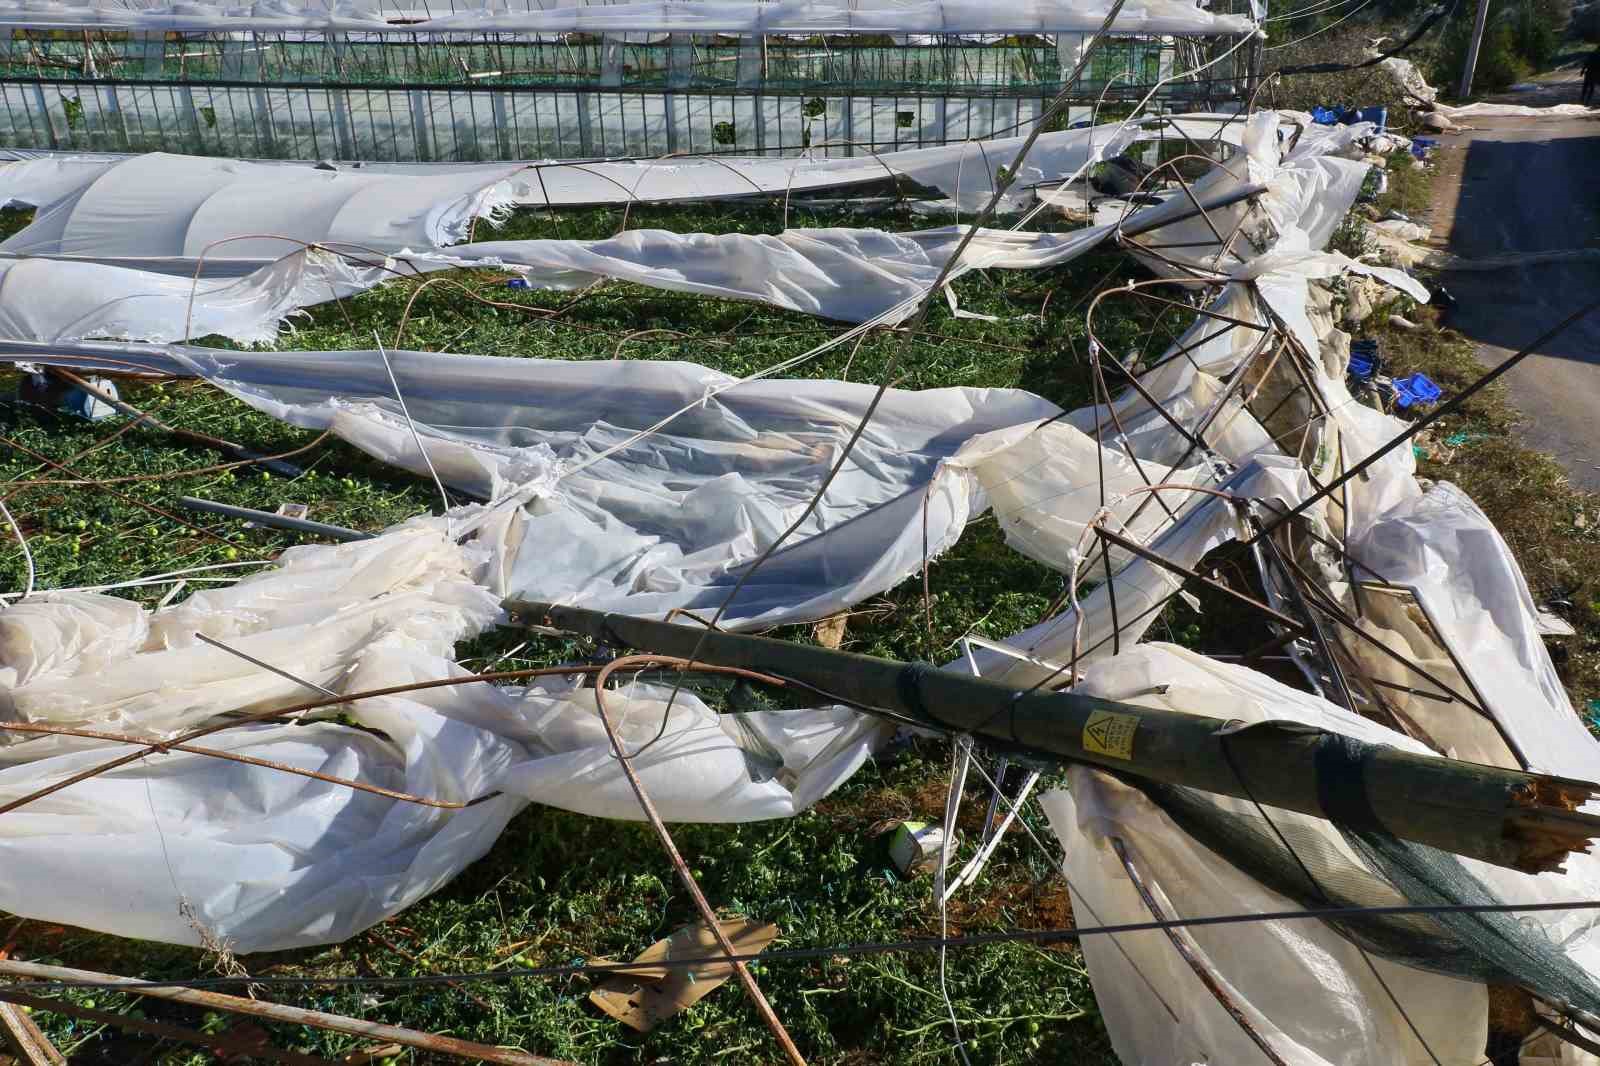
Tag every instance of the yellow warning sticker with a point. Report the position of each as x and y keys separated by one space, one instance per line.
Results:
x=1110 y=734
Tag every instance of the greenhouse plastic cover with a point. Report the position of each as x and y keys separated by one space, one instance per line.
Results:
x=172 y=206
x=963 y=173
x=1305 y=988
x=641 y=524
x=261 y=859
x=802 y=17
x=178 y=208
x=849 y=274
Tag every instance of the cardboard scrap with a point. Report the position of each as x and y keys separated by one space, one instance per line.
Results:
x=645 y=998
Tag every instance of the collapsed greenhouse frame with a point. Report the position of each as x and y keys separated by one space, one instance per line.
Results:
x=1241 y=425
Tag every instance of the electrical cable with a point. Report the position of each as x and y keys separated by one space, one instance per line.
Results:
x=1317 y=33
x=1307 y=12
x=1433 y=16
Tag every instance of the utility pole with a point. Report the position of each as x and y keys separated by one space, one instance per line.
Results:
x=1472 y=48
x=1524 y=821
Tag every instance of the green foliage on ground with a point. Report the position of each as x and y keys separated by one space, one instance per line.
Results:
x=558 y=887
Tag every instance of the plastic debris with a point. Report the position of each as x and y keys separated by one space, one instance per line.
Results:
x=1416 y=390
x=68 y=399
x=1349 y=116
x=915 y=848
x=1365 y=362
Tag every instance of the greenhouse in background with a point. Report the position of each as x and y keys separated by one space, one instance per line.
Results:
x=446 y=80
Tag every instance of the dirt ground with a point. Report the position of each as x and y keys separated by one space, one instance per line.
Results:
x=1525 y=185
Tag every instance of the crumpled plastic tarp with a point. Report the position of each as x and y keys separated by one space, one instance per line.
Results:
x=1303 y=987
x=191 y=849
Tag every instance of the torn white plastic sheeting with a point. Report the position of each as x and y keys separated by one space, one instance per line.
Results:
x=161 y=206
x=1441 y=546
x=851 y=274
x=707 y=767
x=185 y=847
x=670 y=518
x=1117 y=613
x=79 y=664
x=802 y=17
x=1188 y=388
x=854 y=275
x=1303 y=987
x=1307 y=192
x=56 y=301
x=1485 y=109
x=1045 y=483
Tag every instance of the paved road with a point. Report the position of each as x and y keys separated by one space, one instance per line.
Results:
x=1530 y=185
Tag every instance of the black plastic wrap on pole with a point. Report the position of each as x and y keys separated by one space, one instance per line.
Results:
x=1511 y=818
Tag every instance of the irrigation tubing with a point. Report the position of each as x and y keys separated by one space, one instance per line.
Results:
x=889 y=947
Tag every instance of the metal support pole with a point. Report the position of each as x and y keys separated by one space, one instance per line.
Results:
x=1471 y=65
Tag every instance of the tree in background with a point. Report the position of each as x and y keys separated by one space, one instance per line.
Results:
x=1522 y=36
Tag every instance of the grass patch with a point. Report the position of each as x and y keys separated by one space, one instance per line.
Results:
x=1410 y=188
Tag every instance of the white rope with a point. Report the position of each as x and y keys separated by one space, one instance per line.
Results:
x=415 y=436
x=22 y=542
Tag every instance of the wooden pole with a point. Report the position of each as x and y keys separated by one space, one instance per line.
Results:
x=1511 y=818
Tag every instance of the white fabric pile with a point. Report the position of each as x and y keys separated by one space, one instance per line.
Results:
x=260 y=859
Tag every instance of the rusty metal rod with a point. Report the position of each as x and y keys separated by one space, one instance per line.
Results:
x=157 y=747
x=1191 y=957
x=232 y=1047
x=231 y=756
x=279 y=1012
x=709 y=916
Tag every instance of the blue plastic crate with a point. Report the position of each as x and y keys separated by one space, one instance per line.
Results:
x=1365 y=362
x=1418 y=390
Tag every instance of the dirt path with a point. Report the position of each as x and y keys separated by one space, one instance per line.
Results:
x=1528 y=185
